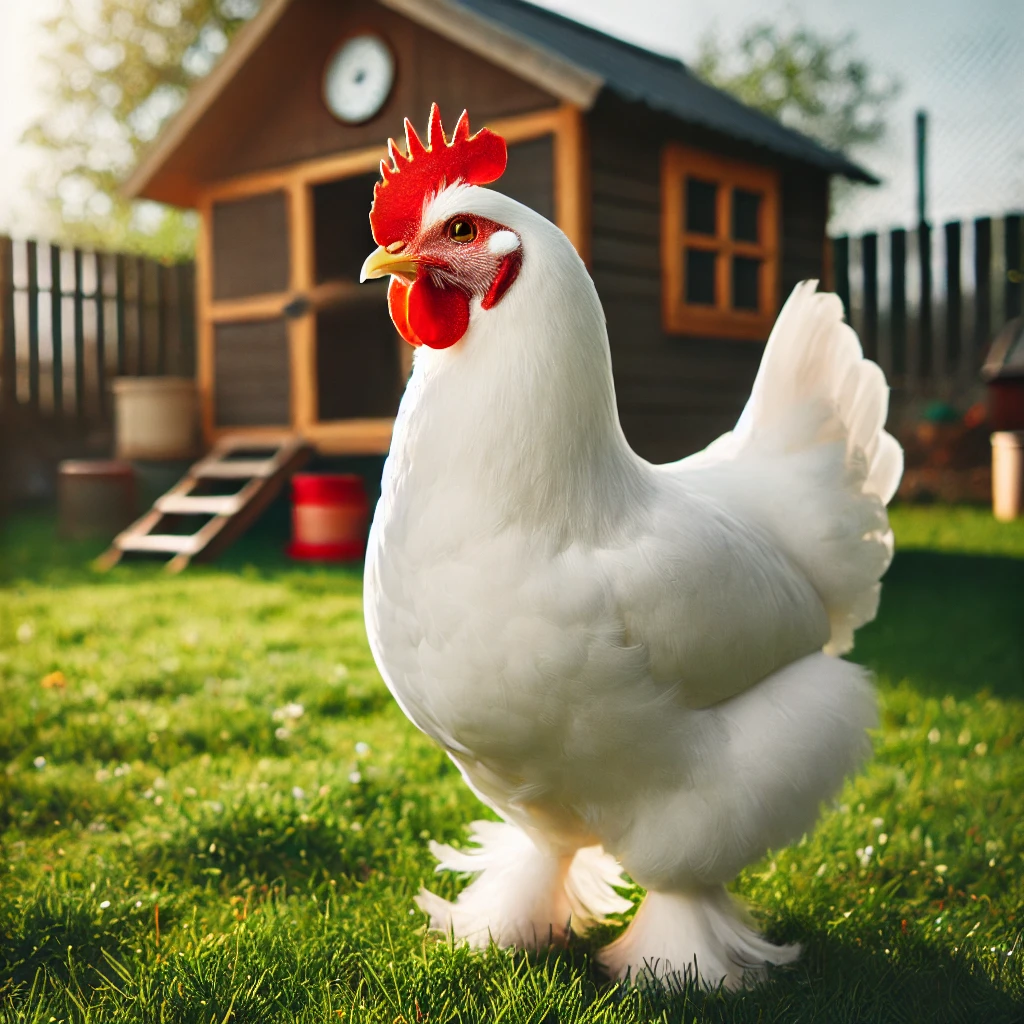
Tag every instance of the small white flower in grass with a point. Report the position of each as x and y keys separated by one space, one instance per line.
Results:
x=102 y=774
x=138 y=903
x=964 y=738
x=362 y=748
x=298 y=792
x=822 y=868
x=323 y=790
x=40 y=762
x=981 y=749
x=934 y=736
x=877 y=822
x=356 y=826
x=355 y=778
x=883 y=838
x=289 y=713
x=122 y=769
x=104 y=904
x=941 y=869
x=25 y=633
x=282 y=733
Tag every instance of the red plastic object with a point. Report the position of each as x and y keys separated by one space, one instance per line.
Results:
x=330 y=515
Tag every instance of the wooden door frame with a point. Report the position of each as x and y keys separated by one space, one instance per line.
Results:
x=565 y=123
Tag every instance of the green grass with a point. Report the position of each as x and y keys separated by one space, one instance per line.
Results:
x=222 y=816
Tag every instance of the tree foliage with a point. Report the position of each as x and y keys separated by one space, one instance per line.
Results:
x=118 y=70
x=815 y=83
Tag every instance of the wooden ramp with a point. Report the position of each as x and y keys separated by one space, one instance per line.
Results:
x=228 y=488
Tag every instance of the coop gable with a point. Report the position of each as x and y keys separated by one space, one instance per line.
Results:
x=265 y=109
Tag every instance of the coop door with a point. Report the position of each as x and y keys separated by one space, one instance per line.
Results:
x=250 y=362
x=360 y=363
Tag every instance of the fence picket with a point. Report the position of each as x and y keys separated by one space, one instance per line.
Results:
x=141 y=361
x=79 y=338
x=119 y=316
x=898 y=302
x=32 y=289
x=99 y=298
x=8 y=337
x=925 y=339
x=869 y=327
x=982 y=290
x=1014 y=266
x=56 y=332
x=954 y=301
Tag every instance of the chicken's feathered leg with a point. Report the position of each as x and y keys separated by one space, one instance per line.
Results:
x=785 y=748
x=524 y=895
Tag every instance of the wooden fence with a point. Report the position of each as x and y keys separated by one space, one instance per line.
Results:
x=72 y=320
x=927 y=302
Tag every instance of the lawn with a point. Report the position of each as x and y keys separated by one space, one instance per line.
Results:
x=211 y=810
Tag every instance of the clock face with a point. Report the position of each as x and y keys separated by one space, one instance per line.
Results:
x=358 y=78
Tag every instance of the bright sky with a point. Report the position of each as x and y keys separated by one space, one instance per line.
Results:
x=960 y=59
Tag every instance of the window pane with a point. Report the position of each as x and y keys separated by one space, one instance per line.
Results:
x=700 y=206
x=745 y=209
x=745 y=284
x=700 y=277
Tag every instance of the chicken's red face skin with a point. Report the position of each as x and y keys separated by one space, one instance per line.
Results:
x=465 y=257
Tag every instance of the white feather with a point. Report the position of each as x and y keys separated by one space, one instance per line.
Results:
x=625 y=660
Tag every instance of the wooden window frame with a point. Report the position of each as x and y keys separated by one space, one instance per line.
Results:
x=720 y=320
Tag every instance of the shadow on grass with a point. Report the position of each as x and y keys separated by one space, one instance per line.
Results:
x=839 y=982
x=950 y=625
x=32 y=551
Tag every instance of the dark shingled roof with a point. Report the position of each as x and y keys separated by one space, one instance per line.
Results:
x=660 y=82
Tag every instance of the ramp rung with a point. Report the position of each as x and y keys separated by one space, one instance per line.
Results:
x=235 y=469
x=166 y=543
x=231 y=513
x=203 y=505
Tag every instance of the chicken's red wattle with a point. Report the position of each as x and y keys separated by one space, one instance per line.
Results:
x=427 y=315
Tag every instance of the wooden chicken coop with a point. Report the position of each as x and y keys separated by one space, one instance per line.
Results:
x=695 y=213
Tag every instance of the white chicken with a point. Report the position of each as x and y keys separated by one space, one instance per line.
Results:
x=635 y=666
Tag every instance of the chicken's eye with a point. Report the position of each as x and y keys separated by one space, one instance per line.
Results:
x=461 y=230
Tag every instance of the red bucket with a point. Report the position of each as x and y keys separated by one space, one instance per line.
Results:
x=330 y=514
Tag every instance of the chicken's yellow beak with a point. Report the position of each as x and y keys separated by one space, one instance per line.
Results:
x=381 y=263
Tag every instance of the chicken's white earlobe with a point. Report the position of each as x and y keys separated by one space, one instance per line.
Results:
x=503 y=242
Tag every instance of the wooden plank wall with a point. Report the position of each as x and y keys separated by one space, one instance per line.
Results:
x=70 y=321
x=676 y=393
x=928 y=302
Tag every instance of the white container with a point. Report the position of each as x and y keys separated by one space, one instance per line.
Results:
x=155 y=417
x=1008 y=474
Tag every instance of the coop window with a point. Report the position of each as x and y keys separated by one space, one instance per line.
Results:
x=720 y=245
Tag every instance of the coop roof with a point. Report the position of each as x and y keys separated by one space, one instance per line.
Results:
x=569 y=60
x=634 y=74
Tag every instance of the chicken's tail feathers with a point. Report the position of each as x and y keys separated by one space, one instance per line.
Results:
x=814 y=363
x=810 y=459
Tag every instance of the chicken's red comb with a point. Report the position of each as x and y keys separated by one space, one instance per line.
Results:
x=424 y=170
